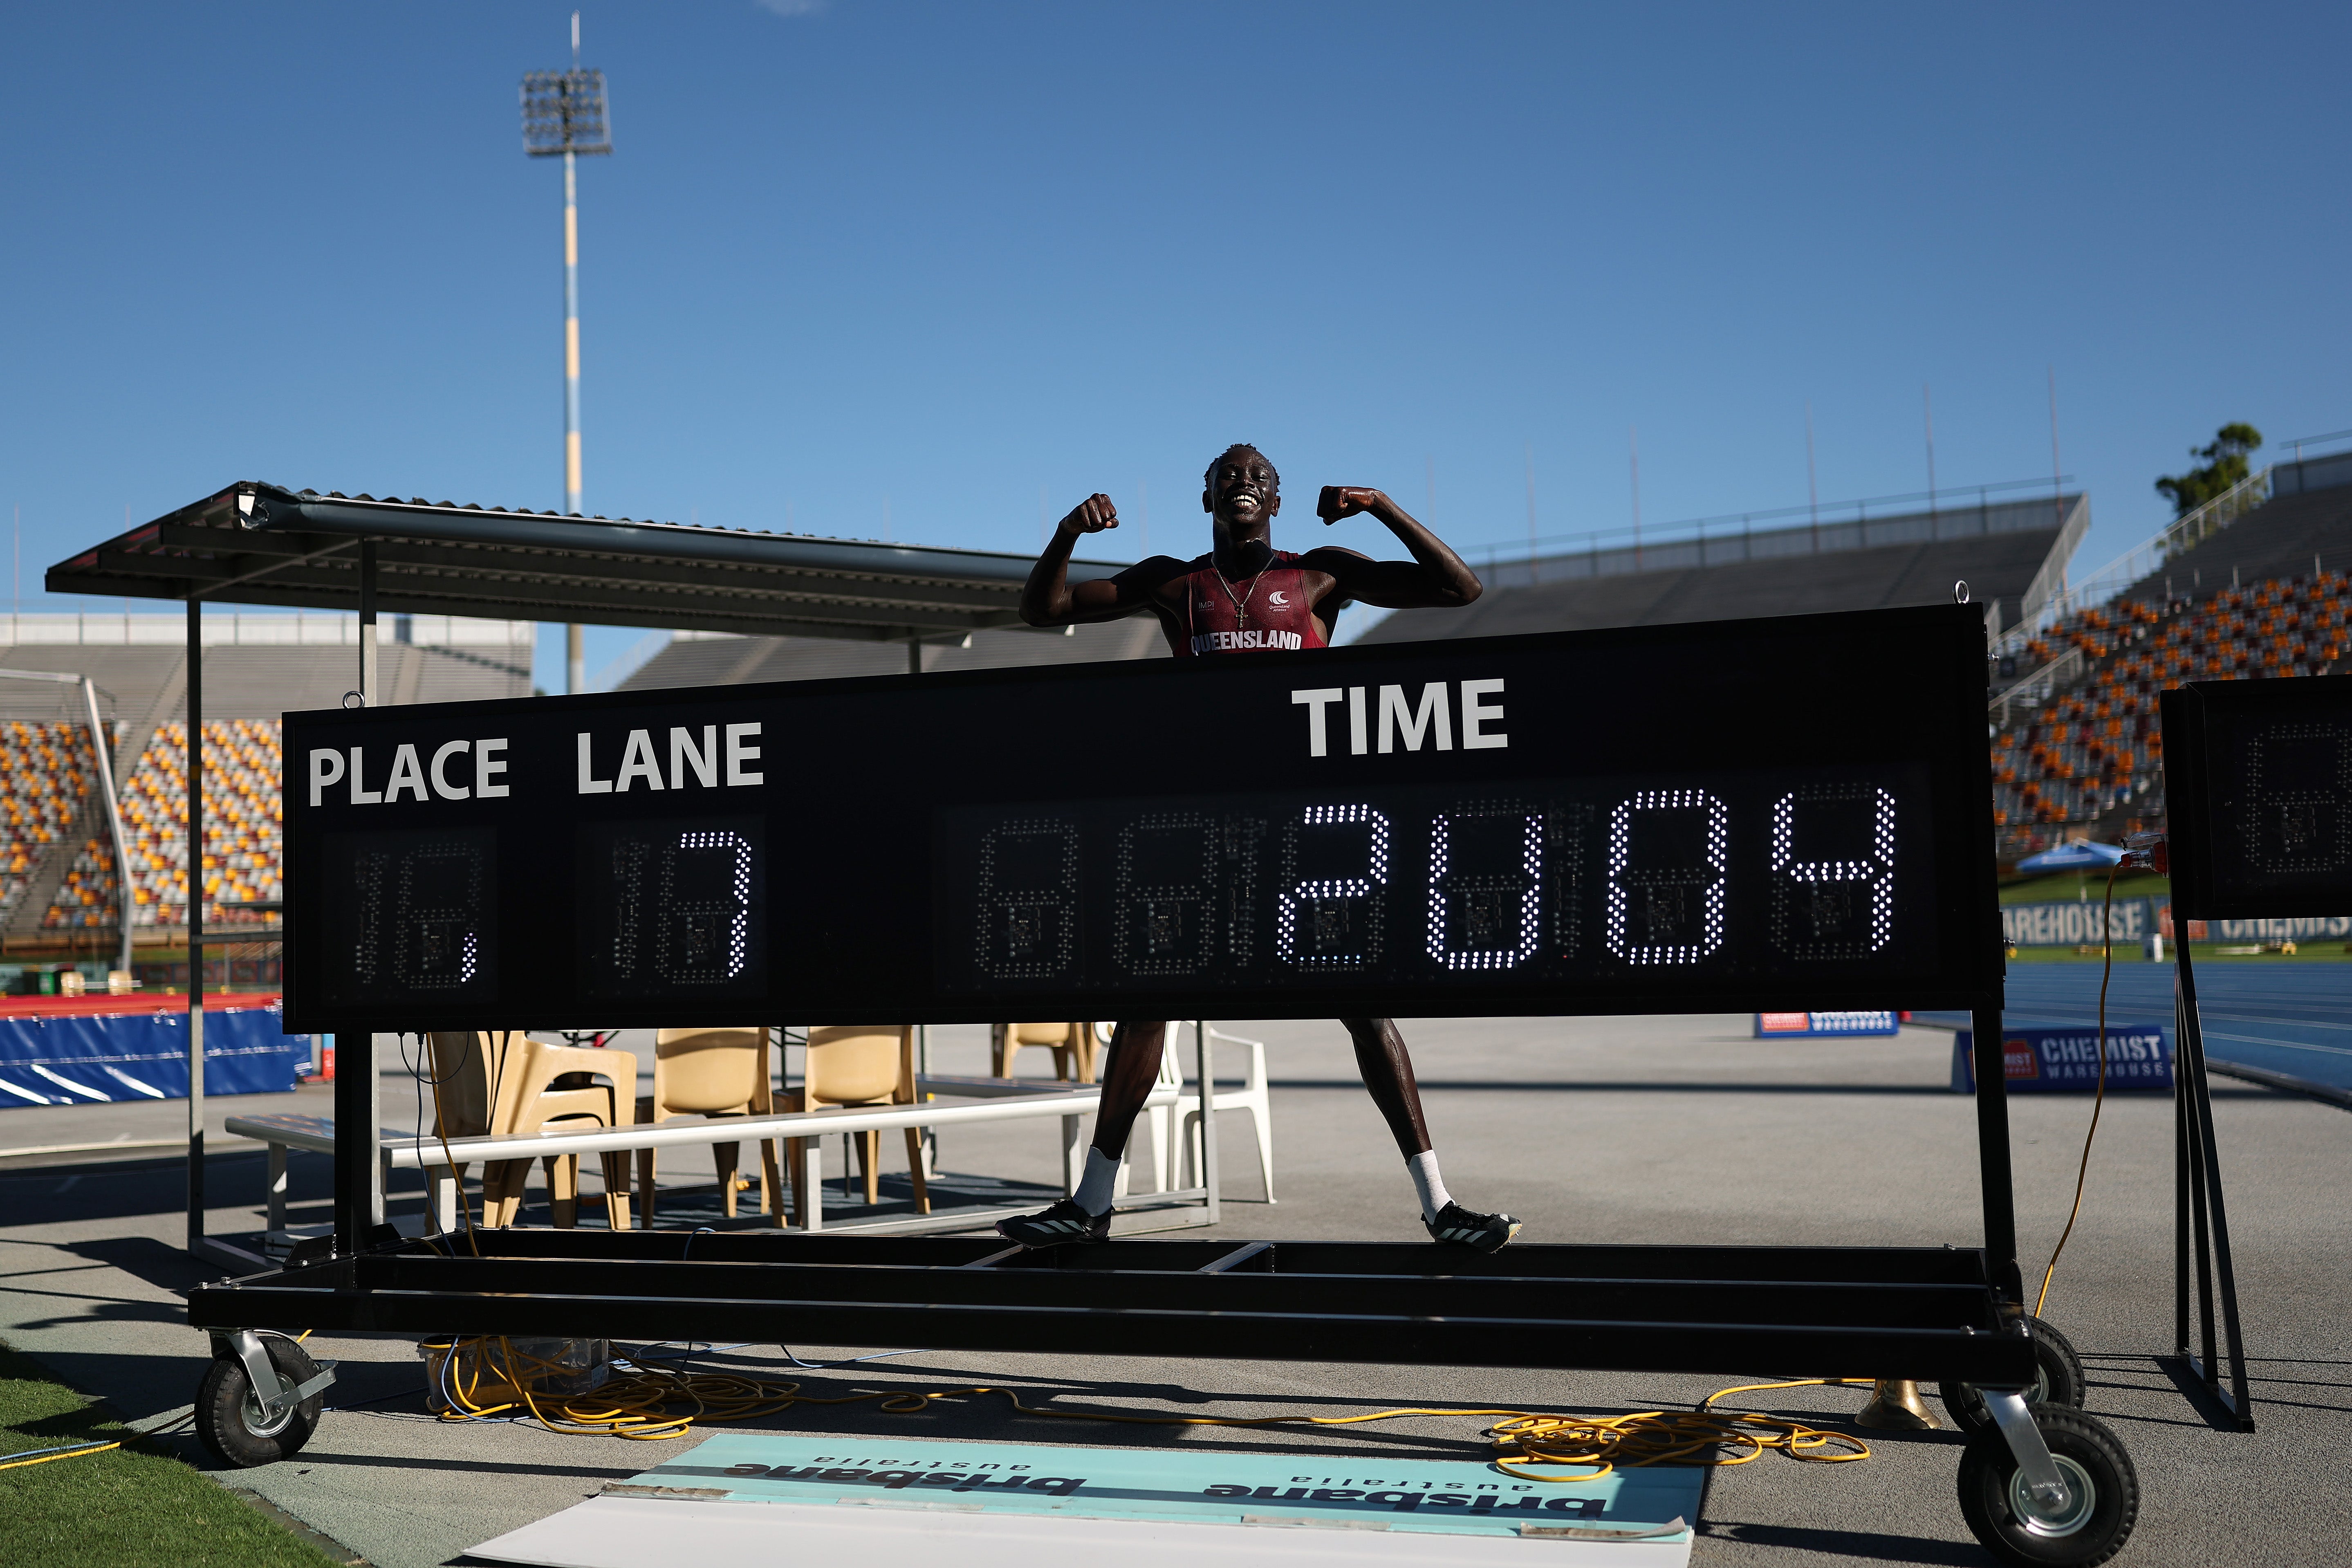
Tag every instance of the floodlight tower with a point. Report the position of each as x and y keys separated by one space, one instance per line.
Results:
x=563 y=112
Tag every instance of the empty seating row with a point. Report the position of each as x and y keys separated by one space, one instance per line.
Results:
x=2099 y=747
x=244 y=833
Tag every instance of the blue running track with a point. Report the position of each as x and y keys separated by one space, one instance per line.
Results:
x=2287 y=1017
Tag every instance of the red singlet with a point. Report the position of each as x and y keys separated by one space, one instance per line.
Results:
x=1223 y=616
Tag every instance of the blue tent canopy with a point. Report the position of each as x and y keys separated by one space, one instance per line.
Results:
x=2080 y=856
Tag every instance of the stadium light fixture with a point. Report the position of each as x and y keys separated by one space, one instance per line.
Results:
x=564 y=115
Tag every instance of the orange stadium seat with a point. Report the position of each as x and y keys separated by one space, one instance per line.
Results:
x=243 y=810
x=2090 y=753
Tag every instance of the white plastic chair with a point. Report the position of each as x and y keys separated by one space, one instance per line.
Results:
x=1178 y=1125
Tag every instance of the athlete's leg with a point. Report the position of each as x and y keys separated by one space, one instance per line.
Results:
x=1127 y=1075
x=1387 y=1069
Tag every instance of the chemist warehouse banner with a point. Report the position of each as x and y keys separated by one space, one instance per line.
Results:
x=2308 y=928
x=2066 y=1061
x=2076 y=924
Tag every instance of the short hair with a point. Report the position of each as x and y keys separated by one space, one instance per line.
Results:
x=1238 y=447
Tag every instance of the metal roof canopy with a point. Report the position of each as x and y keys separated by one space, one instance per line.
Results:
x=262 y=544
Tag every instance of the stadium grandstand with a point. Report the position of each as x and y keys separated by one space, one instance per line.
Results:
x=2011 y=554
x=58 y=892
x=2238 y=589
x=47 y=771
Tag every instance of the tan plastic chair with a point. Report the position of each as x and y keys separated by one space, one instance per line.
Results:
x=857 y=1064
x=1073 y=1046
x=709 y=1072
x=499 y=1083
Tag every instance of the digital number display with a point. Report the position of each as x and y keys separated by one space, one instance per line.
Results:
x=673 y=907
x=1749 y=873
x=1773 y=815
x=419 y=923
x=2258 y=779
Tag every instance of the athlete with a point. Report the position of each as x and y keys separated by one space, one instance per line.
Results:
x=1246 y=597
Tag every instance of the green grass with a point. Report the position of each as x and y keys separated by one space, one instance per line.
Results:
x=126 y=1508
x=2066 y=887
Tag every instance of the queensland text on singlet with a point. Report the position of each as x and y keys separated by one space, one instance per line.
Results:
x=1269 y=613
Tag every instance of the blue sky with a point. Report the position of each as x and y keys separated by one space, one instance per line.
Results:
x=866 y=267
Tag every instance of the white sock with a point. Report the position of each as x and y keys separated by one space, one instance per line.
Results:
x=1422 y=1169
x=1094 y=1194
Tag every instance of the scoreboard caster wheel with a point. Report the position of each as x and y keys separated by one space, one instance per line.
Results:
x=241 y=1428
x=2017 y=1525
x=2058 y=1380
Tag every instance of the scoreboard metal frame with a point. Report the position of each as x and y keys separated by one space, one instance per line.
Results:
x=1779 y=814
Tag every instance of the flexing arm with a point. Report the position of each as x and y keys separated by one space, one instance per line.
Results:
x=1435 y=578
x=1048 y=599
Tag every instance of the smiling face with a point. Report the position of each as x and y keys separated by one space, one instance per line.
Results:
x=1244 y=494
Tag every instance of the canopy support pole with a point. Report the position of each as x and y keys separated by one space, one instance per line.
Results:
x=196 y=894
x=219 y=1253
x=367 y=622
x=359 y=1172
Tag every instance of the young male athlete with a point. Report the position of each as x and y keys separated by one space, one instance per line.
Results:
x=1246 y=597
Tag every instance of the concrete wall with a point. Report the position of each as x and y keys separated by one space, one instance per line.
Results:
x=2312 y=474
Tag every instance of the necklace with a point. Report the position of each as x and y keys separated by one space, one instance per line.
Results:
x=1241 y=601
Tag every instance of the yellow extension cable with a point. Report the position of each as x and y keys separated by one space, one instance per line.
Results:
x=2099 y=1100
x=650 y=1405
x=52 y=1459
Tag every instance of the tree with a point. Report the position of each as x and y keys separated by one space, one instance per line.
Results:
x=2224 y=464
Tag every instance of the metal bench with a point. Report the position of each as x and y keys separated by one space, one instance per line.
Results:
x=996 y=1100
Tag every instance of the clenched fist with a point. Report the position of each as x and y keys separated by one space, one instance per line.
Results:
x=1345 y=501
x=1091 y=515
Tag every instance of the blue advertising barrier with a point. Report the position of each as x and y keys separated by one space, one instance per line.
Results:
x=1799 y=1025
x=2066 y=1061
x=86 y=1057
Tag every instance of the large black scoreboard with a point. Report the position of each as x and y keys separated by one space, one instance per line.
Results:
x=2258 y=787
x=1789 y=812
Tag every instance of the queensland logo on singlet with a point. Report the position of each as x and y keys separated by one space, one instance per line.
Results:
x=1254 y=639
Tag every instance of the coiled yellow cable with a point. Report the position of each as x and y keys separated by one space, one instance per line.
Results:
x=651 y=1405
